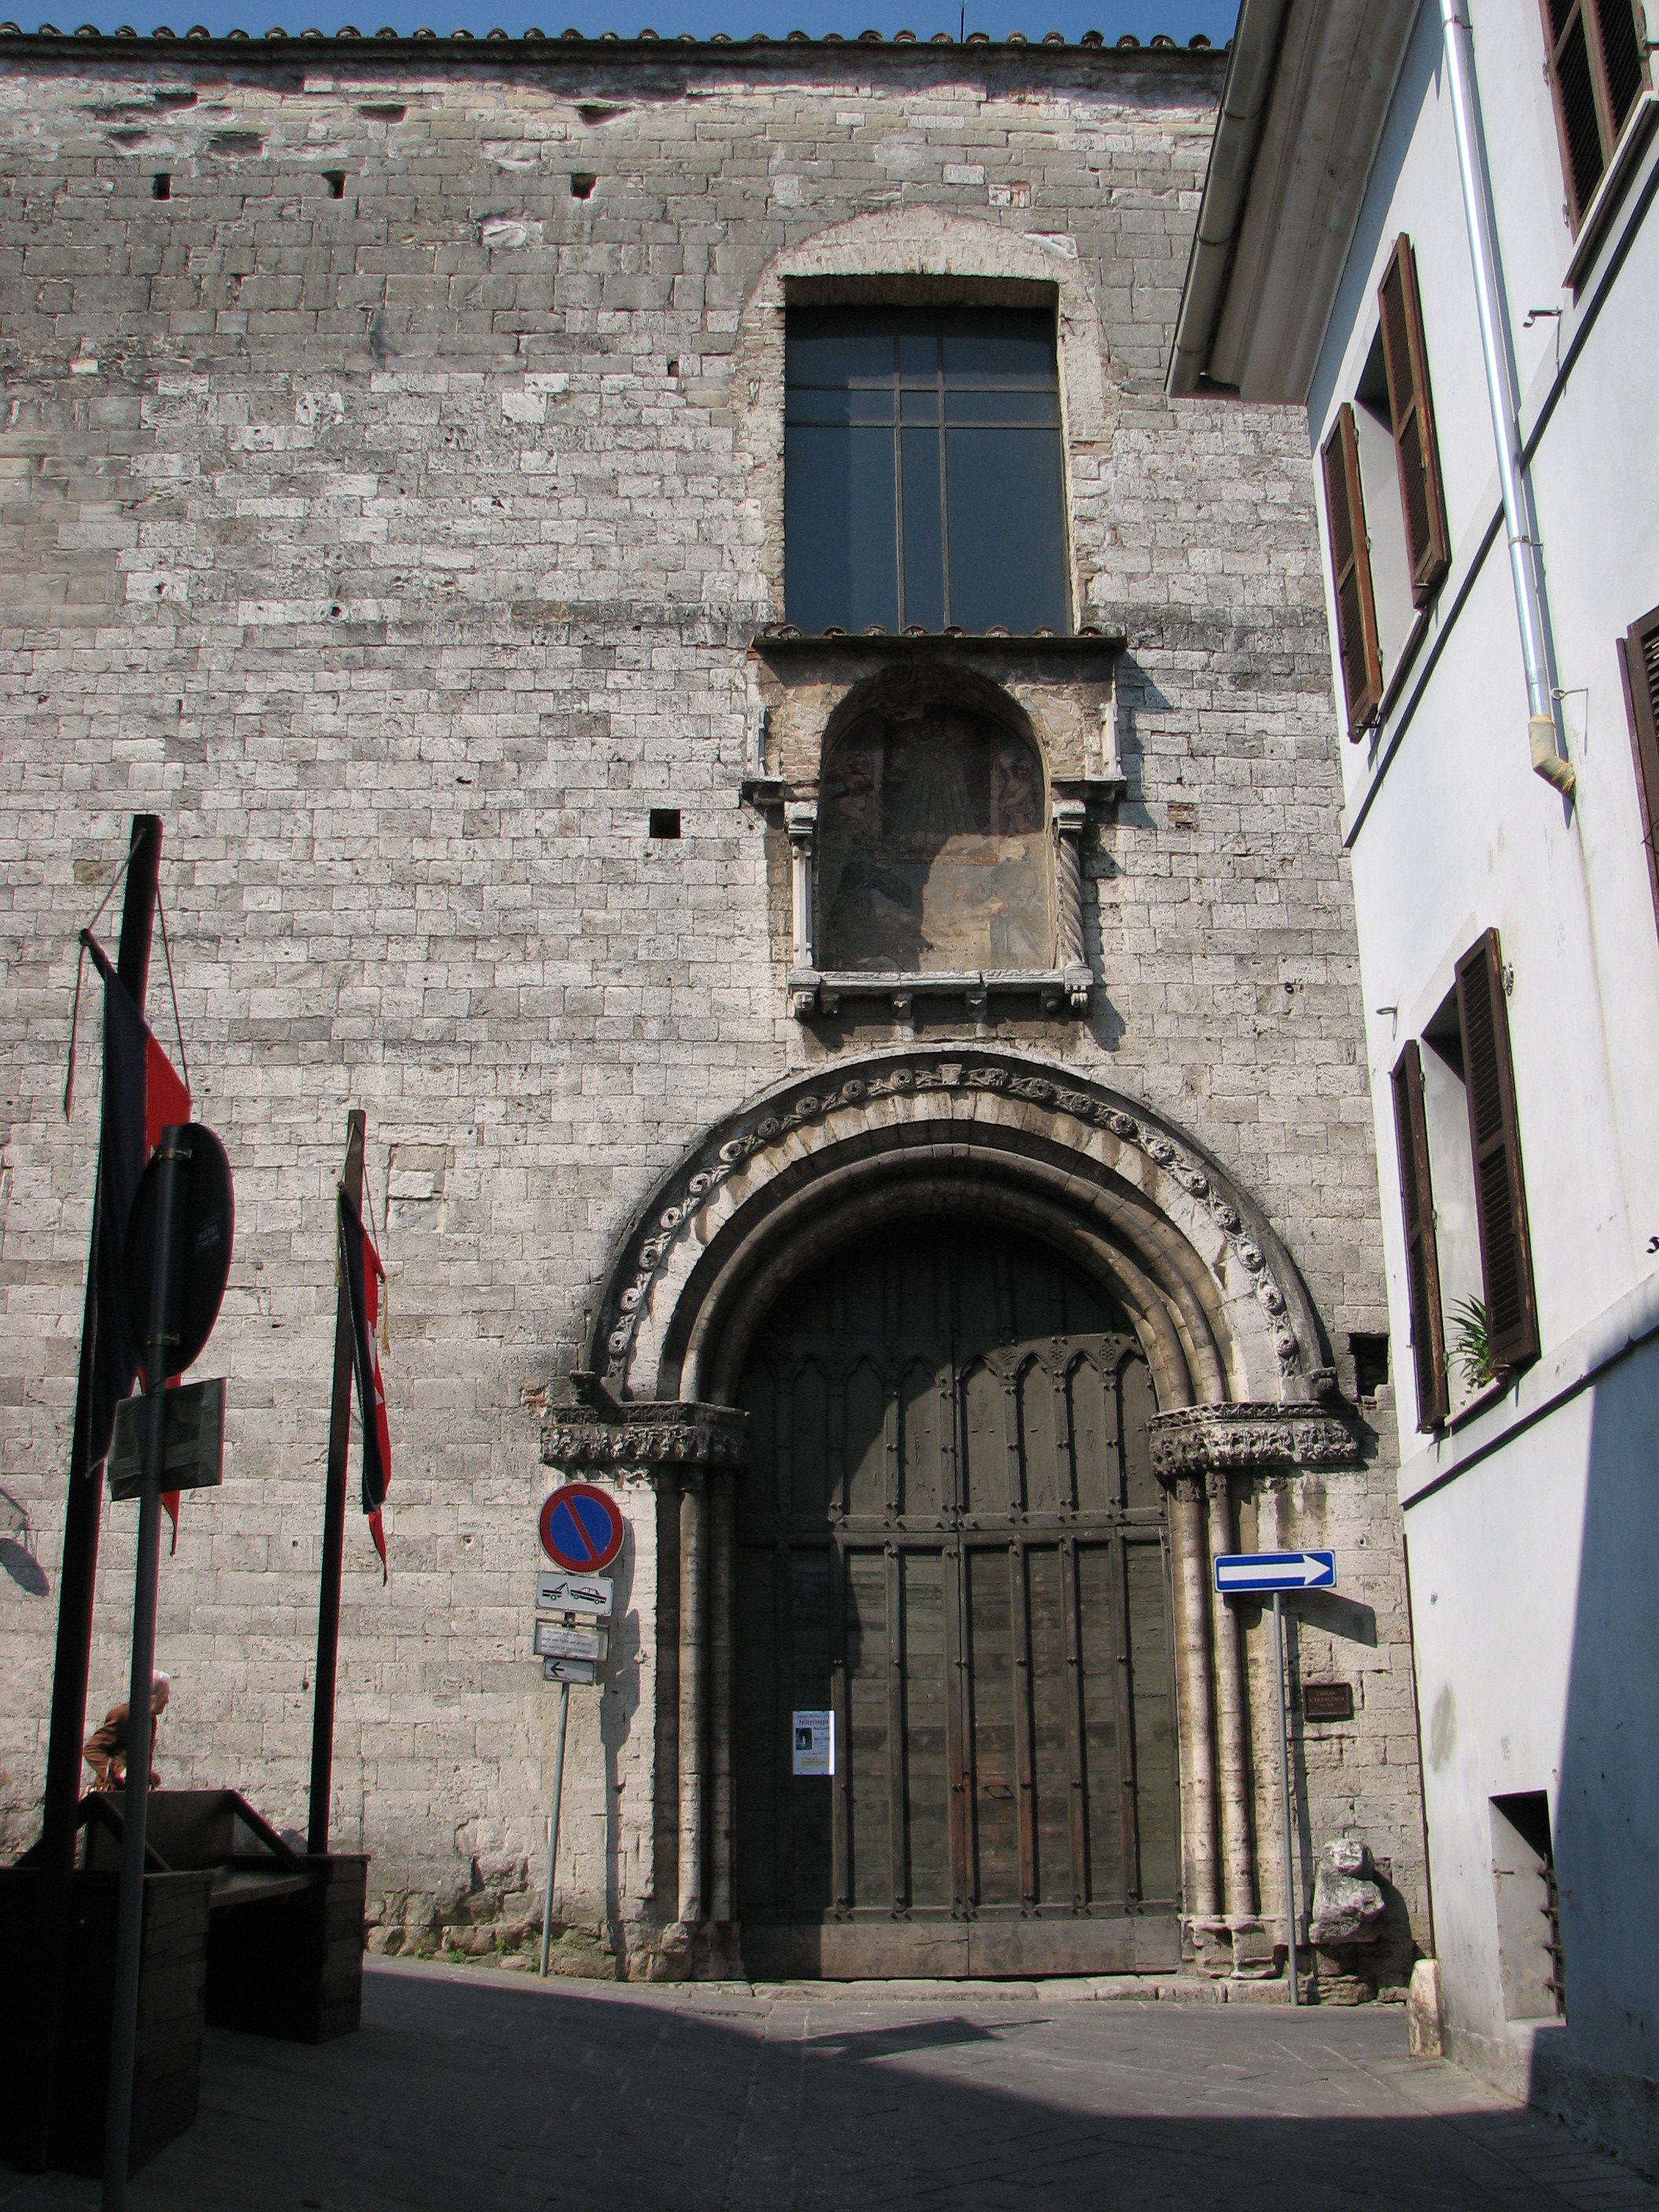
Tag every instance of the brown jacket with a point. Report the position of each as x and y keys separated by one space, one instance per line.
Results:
x=106 y=1751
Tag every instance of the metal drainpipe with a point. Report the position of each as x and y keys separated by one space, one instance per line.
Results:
x=1526 y=551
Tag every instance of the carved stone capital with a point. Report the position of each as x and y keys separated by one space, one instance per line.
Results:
x=1212 y=1442
x=603 y=1431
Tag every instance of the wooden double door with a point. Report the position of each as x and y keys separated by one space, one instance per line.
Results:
x=951 y=1539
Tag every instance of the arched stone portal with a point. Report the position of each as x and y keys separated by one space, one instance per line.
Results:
x=1192 y=1281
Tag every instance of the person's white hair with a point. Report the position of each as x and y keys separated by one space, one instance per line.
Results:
x=158 y=1680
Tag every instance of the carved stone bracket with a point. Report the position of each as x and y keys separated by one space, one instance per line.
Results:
x=1215 y=1441
x=605 y=1431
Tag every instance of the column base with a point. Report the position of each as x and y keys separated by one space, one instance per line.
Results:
x=1238 y=1949
x=697 y=1951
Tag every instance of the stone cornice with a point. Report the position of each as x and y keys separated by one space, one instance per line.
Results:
x=603 y=1431
x=1248 y=1438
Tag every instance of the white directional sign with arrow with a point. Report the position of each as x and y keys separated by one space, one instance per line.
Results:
x=1237 y=1572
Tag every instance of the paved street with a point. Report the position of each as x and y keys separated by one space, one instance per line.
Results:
x=470 y=2089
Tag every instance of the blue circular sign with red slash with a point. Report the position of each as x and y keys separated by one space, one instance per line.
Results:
x=580 y=1529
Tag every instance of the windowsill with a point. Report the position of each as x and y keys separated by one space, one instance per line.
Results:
x=813 y=991
x=1486 y=1425
x=783 y=638
x=1488 y=1395
x=1402 y=669
x=1605 y=196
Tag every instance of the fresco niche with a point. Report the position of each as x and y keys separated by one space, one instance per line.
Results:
x=932 y=853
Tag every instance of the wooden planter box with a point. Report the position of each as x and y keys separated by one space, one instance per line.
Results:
x=285 y=1949
x=292 y=1966
x=65 y=2119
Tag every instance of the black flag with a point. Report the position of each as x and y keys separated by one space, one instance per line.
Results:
x=364 y=1274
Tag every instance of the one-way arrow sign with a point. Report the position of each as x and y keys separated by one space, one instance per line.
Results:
x=1236 y=1572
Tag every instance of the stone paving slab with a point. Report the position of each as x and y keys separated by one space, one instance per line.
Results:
x=467 y=2091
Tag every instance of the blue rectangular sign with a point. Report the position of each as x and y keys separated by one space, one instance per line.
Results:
x=1236 y=1572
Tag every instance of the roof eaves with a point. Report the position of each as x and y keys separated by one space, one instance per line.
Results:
x=48 y=42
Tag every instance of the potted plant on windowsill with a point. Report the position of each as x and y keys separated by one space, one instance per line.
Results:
x=1484 y=1377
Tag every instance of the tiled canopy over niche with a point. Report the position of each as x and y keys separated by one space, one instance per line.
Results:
x=932 y=851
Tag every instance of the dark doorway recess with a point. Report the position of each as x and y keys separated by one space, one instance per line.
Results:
x=951 y=1536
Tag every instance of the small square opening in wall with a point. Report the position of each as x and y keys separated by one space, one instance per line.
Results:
x=160 y=185
x=335 y=180
x=1371 y=1364
x=582 y=182
x=665 y=822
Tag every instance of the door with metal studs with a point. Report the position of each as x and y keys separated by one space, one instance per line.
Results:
x=950 y=1537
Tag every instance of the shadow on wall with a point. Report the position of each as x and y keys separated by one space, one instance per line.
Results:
x=1599 y=2068
x=17 y=1548
x=465 y=2092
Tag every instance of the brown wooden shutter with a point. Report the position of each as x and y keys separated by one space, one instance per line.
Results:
x=1350 y=574
x=1638 y=661
x=1597 y=70
x=1416 y=451
x=1500 y=1197
x=1422 y=1254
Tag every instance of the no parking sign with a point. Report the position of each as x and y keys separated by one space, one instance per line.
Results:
x=580 y=1529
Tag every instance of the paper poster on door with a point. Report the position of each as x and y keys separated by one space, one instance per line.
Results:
x=815 y=1743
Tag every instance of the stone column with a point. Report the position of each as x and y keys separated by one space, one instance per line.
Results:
x=801 y=819
x=1197 y=1736
x=1232 y=1725
x=694 y=1591
x=1069 y=817
x=721 y=1717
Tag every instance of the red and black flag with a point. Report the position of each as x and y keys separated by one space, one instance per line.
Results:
x=143 y=1096
x=364 y=1275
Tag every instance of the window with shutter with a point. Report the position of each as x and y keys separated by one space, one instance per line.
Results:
x=1638 y=655
x=1494 y=1140
x=1416 y=452
x=1598 y=70
x=1350 y=574
x=1422 y=1255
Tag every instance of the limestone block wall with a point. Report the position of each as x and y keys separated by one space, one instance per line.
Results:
x=391 y=508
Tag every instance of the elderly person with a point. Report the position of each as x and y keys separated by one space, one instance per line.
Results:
x=105 y=1748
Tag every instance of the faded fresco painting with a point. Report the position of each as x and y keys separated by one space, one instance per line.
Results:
x=932 y=855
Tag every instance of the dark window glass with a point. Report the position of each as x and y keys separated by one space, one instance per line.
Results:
x=923 y=472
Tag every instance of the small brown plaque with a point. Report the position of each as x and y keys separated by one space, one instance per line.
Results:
x=1327 y=1701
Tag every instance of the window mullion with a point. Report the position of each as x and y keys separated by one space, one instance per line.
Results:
x=898 y=497
x=943 y=508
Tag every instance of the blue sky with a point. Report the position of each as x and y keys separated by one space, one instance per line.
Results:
x=1180 y=18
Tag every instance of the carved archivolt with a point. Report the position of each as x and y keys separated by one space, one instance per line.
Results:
x=1219 y=1307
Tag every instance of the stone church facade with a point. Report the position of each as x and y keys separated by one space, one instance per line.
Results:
x=884 y=1093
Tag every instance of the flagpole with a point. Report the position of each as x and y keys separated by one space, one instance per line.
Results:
x=165 y=1270
x=339 y=1440
x=78 y=1577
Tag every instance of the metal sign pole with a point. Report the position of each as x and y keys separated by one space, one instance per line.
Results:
x=128 y=1943
x=553 y=1819
x=1284 y=1784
